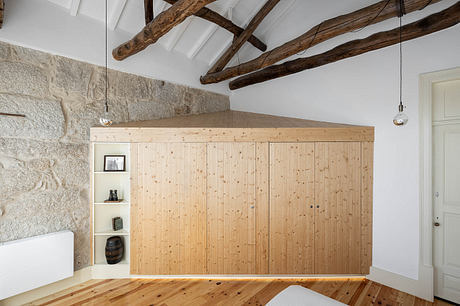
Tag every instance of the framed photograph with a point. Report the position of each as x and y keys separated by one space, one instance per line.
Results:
x=114 y=163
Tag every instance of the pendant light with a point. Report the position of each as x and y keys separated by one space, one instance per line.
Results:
x=401 y=118
x=105 y=120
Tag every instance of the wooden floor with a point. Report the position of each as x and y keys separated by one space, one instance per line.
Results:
x=356 y=291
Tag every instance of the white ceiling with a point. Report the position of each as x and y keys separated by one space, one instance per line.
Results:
x=75 y=29
x=196 y=38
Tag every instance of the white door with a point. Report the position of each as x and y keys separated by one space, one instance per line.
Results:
x=446 y=188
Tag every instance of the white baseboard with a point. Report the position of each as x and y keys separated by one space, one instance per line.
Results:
x=421 y=287
x=110 y=271
x=78 y=277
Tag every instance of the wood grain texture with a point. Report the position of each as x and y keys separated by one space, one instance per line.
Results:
x=225 y=23
x=430 y=24
x=161 y=25
x=291 y=208
x=148 y=9
x=367 y=174
x=328 y=29
x=231 y=231
x=351 y=291
x=175 y=135
x=169 y=212
x=231 y=126
x=2 y=7
x=337 y=208
x=262 y=207
x=229 y=119
x=239 y=41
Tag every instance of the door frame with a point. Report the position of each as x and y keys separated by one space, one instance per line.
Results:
x=426 y=81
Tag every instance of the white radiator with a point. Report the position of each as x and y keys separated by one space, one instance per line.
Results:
x=33 y=262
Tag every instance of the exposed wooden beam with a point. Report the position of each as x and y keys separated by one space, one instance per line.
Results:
x=239 y=41
x=223 y=22
x=161 y=25
x=148 y=8
x=1 y=13
x=326 y=30
x=433 y=23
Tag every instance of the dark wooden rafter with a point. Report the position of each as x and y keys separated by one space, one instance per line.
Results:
x=148 y=8
x=161 y=25
x=328 y=29
x=1 y=13
x=223 y=22
x=433 y=23
x=239 y=41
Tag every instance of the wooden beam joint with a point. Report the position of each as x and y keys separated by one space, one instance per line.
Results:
x=226 y=24
x=430 y=24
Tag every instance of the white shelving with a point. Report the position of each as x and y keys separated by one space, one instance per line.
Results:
x=102 y=183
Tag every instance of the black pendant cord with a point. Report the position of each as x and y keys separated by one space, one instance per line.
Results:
x=400 y=66
x=106 y=60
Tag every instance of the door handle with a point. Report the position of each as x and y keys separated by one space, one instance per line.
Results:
x=437 y=224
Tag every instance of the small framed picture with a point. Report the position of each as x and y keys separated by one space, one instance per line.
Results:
x=114 y=163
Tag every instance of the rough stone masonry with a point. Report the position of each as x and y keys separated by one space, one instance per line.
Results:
x=44 y=158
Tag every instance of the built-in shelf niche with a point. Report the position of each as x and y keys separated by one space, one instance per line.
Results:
x=102 y=183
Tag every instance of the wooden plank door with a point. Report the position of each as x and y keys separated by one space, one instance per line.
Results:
x=338 y=207
x=168 y=209
x=291 y=208
x=231 y=208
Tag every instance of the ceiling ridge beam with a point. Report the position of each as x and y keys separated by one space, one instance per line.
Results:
x=223 y=22
x=240 y=40
x=430 y=24
x=161 y=25
x=328 y=29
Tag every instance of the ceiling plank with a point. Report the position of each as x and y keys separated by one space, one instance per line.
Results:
x=74 y=6
x=243 y=37
x=178 y=32
x=161 y=25
x=223 y=22
x=1 y=13
x=328 y=29
x=116 y=14
x=203 y=40
x=433 y=23
x=148 y=8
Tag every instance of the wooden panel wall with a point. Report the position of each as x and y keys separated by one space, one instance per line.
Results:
x=168 y=225
x=262 y=207
x=338 y=210
x=291 y=208
x=367 y=162
x=231 y=218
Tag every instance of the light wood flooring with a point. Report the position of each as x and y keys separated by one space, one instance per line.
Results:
x=167 y=292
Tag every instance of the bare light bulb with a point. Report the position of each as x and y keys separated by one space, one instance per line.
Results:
x=105 y=121
x=401 y=118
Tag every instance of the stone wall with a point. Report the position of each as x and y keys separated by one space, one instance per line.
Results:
x=44 y=167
